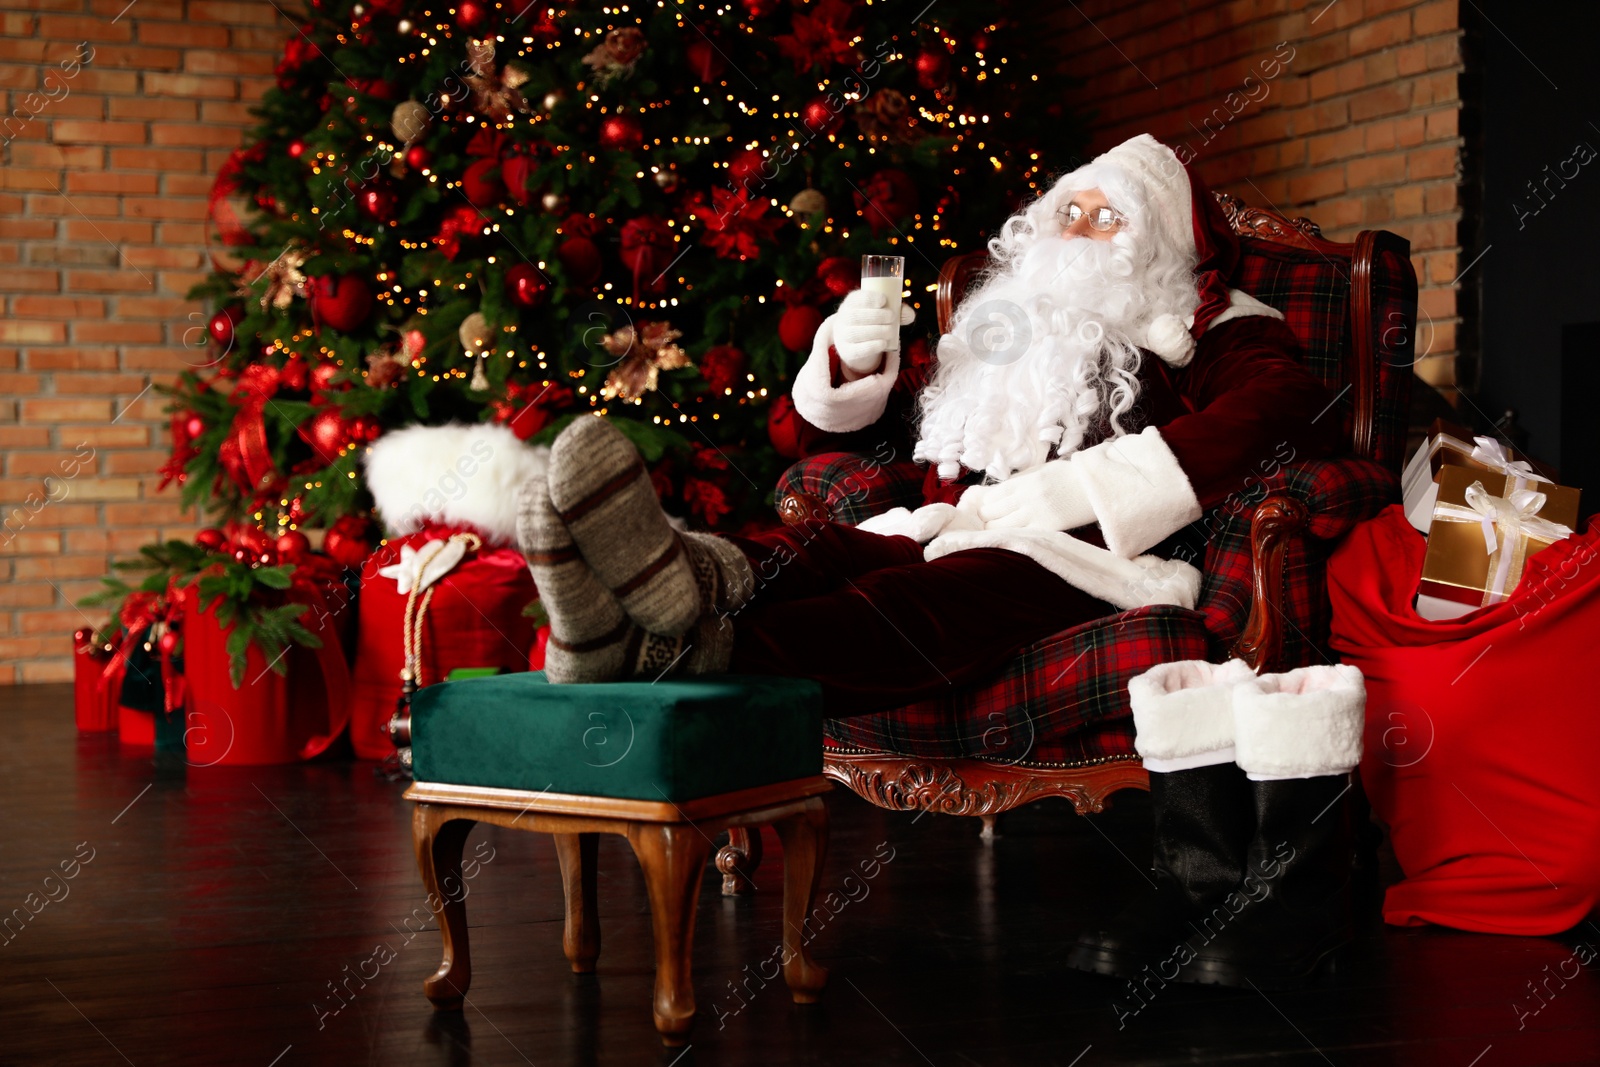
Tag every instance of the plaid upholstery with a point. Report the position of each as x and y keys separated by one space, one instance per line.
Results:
x=1313 y=292
x=1063 y=700
x=855 y=486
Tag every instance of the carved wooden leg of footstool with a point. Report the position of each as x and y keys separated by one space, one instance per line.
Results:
x=805 y=845
x=738 y=860
x=439 y=837
x=579 y=855
x=673 y=856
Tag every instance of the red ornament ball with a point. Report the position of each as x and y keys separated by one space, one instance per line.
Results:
x=798 y=326
x=327 y=433
x=622 y=133
x=418 y=158
x=341 y=302
x=322 y=377
x=379 y=202
x=194 y=426
x=783 y=427
x=821 y=117
x=581 y=258
x=168 y=642
x=211 y=539
x=292 y=547
x=705 y=61
x=933 y=68
x=470 y=14
x=481 y=183
x=294 y=375
x=526 y=286
x=744 y=170
x=347 y=541
x=296 y=149
x=222 y=325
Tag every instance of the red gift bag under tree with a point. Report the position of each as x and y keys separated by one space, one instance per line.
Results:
x=1482 y=732
x=432 y=484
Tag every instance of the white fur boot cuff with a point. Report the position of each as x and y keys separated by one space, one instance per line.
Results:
x=1301 y=724
x=1183 y=713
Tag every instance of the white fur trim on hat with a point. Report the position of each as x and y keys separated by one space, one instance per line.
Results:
x=1139 y=491
x=1301 y=724
x=454 y=474
x=1183 y=713
x=849 y=406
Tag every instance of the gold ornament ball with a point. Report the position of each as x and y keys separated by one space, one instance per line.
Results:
x=476 y=334
x=808 y=202
x=409 y=120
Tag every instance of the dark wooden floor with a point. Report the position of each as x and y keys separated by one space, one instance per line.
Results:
x=222 y=907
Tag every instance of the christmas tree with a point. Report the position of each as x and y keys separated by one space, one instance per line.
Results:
x=526 y=213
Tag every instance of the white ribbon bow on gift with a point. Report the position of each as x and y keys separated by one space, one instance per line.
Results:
x=1492 y=454
x=1510 y=520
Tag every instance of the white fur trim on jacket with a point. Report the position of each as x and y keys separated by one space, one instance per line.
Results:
x=1183 y=712
x=1301 y=724
x=1242 y=305
x=1123 y=583
x=466 y=474
x=1138 y=490
x=850 y=406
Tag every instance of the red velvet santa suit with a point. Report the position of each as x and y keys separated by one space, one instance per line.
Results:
x=881 y=621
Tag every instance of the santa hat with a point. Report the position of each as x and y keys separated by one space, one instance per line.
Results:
x=1187 y=217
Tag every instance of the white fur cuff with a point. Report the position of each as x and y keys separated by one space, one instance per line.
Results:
x=1301 y=724
x=1138 y=490
x=1184 y=710
x=455 y=474
x=850 y=406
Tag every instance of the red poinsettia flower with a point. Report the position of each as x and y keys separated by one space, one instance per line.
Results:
x=822 y=37
x=734 y=224
x=706 y=500
x=527 y=409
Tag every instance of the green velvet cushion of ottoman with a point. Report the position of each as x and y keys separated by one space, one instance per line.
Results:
x=671 y=740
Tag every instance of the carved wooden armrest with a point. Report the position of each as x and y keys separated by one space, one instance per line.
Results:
x=1278 y=519
x=797 y=508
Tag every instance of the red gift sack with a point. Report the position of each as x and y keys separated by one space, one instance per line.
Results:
x=1482 y=732
x=270 y=718
x=474 y=618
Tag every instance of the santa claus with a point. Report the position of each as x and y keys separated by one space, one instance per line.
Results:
x=1098 y=392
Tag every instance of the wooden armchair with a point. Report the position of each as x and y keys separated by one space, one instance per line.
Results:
x=1056 y=722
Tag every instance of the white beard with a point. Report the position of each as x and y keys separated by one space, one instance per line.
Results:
x=1044 y=352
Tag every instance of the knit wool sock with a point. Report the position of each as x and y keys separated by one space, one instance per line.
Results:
x=589 y=632
x=722 y=574
x=599 y=487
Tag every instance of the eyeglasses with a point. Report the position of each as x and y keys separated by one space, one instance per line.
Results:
x=1101 y=219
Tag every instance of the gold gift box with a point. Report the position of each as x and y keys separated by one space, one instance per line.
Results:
x=1456 y=567
x=1450 y=444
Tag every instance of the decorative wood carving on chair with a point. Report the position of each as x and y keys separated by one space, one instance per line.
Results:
x=974 y=787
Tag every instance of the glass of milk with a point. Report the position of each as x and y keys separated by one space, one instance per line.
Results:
x=886 y=275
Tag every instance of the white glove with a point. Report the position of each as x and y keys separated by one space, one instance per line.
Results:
x=863 y=329
x=1049 y=497
x=922 y=525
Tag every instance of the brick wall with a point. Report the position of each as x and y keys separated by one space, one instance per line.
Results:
x=116 y=117
x=1344 y=112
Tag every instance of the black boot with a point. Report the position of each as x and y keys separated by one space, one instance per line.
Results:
x=1296 y=913
x=1203 y=819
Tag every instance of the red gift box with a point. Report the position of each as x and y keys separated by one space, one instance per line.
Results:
x=94 y=698
x=270 y=718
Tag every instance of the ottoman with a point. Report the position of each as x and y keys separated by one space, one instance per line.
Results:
x=666 y=764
